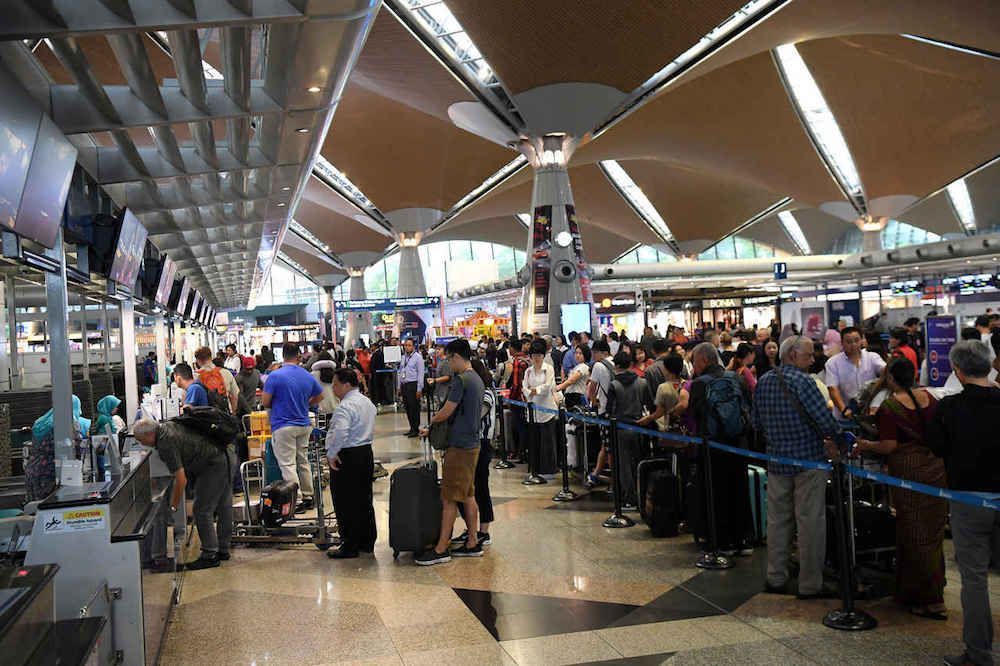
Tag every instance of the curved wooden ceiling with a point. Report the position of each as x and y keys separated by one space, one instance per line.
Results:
x=619 y=43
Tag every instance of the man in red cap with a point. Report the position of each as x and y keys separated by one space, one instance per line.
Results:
x=248 y=379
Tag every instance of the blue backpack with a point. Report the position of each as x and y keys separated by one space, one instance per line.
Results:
x=727 y=411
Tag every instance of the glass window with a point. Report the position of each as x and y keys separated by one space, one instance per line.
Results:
x=482 y=250
x=744 y=248
x=646 y=254
x=726 y=248
x=392 y=273
x=375 y=280
x=708 y=254
x=520 y=257
x=506 y=262
x=461 y=250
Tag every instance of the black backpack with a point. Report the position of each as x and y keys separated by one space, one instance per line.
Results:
x=216 y=425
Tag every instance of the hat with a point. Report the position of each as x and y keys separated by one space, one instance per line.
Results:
x=248 y=362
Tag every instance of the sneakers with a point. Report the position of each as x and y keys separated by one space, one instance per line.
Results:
x=592 y=481
x=305 y=505
x=465 y=551
x=379 y=471
x=959 y=660
x=431 y=557
x=484 y=538
x=629 y=508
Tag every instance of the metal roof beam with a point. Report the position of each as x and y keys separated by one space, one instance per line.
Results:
x=112 y=168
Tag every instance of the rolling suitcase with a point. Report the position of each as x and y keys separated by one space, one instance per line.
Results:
x=758 y=502
x=659 y=493
x=277 y=502
x=414 y=506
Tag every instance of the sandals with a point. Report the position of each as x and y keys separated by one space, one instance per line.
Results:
x=929 y=614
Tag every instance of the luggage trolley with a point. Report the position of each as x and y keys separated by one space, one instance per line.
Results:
x=320 y=530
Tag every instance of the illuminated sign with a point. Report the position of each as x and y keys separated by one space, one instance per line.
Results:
x=390 y=304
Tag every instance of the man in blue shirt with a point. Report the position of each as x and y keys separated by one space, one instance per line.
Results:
x=349 y=450
x=569 y=358
x=411 y=382
x=289 y=392
x=195 y=394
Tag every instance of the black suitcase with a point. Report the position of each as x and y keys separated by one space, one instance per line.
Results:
x=659 y=493
x=277 y=502
x=414 y=506
x=694 y=506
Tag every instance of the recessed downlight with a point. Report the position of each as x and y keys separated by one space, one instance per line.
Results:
x=313 y=89
x=302 y=130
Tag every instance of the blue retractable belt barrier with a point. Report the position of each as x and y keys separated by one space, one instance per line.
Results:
x=987 y=500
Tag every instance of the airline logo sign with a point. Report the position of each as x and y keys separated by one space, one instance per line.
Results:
x=74 y=520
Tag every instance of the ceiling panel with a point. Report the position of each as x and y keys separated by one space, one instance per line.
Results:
x=404 y=158
x=314 y=265
x=933 y=214
x=819 y=228
x=915 y=116
x=395 y=65
x=342 y=234
x=984 y=190
x=698 y=204
x=736 y=122
x=619 y=44
x=505 y=230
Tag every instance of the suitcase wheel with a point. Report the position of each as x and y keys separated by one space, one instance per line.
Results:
x=323 y=546
x=395 y=553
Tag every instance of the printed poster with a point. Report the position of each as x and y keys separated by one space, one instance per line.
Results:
x=581 y=265
x=942 y=333
x=541 y=260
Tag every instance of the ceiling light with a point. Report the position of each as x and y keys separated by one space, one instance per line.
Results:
x=634 y=196
x=313 y=89
x=302 y=130
x=563 y=239
x=524 y=219
x=339 y=179
x=794 y=231
x=286 y=188
x=958 y=194
x=819 y=120
x=281 y=204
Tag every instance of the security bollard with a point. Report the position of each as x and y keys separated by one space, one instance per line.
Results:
x=564 y=495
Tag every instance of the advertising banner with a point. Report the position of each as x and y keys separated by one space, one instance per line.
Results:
x=942 y=333
x=541 y=261
x=582 y=269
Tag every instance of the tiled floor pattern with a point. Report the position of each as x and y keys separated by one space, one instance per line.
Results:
x=555 y=588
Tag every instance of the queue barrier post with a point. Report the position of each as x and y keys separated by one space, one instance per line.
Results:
x=847 y=617
x=503 y=463
x=710 y=559
x=533 y=479
x=564 y=495
x=616 y=519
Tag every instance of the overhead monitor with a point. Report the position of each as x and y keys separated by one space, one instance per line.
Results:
x=19 y=121
x=166 y=283
x=575 y=317
x=195 y=306
x=128 y=250
x=187 y=300
x=181 y=303
x=44 y=197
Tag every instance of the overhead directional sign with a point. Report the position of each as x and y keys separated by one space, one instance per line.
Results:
x=418 y=303
x=780 y=270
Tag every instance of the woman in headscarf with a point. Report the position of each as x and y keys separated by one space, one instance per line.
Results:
x=40 y=468
x=107 y=415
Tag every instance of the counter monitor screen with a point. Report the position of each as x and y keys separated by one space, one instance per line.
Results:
x=45 y=190
x=166 y=284
x=128 y=250
x=184 y=302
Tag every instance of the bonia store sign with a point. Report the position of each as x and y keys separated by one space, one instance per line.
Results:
x=614 y=303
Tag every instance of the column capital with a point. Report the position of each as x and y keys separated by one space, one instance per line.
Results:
x=551 y=150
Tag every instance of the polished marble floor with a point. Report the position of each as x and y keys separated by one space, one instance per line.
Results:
x=554 y=588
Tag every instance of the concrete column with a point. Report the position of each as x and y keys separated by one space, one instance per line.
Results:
x=161 y=352
x=411 y=274
x=871 y=232
x=4 y=340
x=126 y=314
x=559 y=273
x=358 y=322
x=57 y=319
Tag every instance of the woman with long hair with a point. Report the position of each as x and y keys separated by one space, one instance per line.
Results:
x=482 y=477
x=742 y=362
x=768 y=360
x=639 y=360
x=920 y=518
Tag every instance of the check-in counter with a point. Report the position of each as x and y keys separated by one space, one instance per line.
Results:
x=103 y=536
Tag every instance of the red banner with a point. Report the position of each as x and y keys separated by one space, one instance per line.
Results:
x=541 y=261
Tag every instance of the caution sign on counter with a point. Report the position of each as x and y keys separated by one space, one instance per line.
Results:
x=74 y=520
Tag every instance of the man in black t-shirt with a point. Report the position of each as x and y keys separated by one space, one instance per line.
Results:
x=189 y=453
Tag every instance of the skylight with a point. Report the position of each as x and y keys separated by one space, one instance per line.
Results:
x=635 y=197
x=291 y=262
x=340 y=179
x=442 y=24
x=958 y=193
x=524 y=219
x=308 y=235
x=794 y=231
x=819 y=120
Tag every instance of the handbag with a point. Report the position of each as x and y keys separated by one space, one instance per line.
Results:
x=437 y=435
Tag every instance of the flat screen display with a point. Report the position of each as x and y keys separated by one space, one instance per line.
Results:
x=575 y=317
x=19 y=120
x=195 y=307
x=45 y=190
x=973 y=283
x=183 y=301
x=128 y=250
x=166 y=283
x=905 y=287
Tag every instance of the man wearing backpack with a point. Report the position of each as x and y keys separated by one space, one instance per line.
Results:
x=194 y=393
x=186 y=452
x=627 y=397
x=656 y=374
x=720 y=404
x=222 y=384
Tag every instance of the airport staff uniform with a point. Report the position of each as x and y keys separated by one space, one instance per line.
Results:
x=350 y=437
x=411 y=379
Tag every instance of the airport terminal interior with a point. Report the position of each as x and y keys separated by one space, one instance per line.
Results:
x=688 y=309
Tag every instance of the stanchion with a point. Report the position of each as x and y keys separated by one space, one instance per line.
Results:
x=617 y=519
x=533 y=479
x=847 y=617
x=710 y=559
x=564 y=495
x=503 y=463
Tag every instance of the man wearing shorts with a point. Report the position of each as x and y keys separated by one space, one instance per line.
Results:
x=462 y=411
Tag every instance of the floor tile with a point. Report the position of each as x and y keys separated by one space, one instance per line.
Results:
x=645 y=660
x=562 y=649
x=771 y=653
